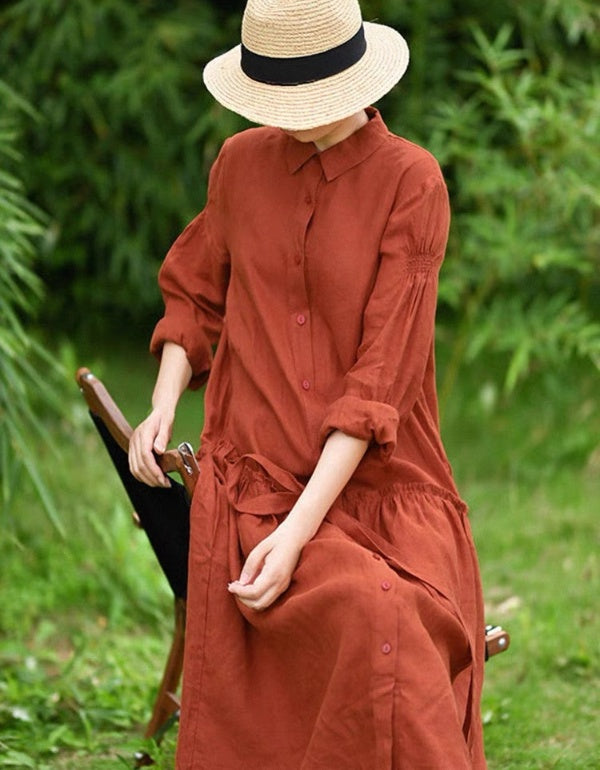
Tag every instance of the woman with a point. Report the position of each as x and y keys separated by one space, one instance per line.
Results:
x=334 y=608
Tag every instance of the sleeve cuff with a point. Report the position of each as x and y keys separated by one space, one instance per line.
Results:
x=197 y=347
x=371 y=421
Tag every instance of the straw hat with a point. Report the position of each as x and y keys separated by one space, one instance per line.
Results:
x=306 y=63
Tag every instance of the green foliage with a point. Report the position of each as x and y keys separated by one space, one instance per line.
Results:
x=28 y=375
x=525 y=249
x=505 y=94
x=506 y=97
x=126 y=134
x=84 y=621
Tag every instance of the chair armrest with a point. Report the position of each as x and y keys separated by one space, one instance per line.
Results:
x=496 y=640
x=100 y=403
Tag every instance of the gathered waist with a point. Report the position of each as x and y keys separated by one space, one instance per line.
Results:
x=257 y=485
x=253 y=483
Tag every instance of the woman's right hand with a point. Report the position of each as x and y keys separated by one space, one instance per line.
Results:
x=151 y=435
x=154 y=434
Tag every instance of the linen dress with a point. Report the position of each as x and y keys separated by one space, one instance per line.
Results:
x=316 y=273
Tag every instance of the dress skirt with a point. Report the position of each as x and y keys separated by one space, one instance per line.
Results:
x=371 y=660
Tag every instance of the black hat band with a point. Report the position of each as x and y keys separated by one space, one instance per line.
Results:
x=298 y=70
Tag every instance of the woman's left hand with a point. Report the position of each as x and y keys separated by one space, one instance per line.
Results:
x=268 y=570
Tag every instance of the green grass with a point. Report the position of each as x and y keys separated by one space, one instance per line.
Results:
x=539 y=555
x=85 y=621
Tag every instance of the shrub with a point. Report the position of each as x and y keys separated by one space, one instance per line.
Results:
x=504 y=94
x=505 y=97
x=26 y=369
x=126 y=134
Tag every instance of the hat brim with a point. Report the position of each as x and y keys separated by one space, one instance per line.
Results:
x=321 y=102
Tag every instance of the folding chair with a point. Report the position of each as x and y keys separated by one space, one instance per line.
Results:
x=164 y=515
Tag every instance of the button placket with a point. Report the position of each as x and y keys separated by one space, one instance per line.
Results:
x=301 y=336
x=385 y=586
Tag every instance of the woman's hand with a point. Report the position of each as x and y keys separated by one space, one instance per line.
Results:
x=152 y=435
x=268 y=570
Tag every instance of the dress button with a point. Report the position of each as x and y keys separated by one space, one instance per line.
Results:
x=306 y=384
x=376 y=556
x=300 y=319
x=386 y=648
x=308 y=199
x=386 y=585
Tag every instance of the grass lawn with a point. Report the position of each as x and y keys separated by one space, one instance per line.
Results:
x=85 y=620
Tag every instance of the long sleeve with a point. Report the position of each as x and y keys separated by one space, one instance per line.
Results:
x=382 y=387
x=193 y=280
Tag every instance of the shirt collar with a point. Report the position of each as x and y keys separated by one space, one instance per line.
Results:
x=344 y=155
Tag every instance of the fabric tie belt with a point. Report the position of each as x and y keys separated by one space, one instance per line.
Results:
x=253 y=483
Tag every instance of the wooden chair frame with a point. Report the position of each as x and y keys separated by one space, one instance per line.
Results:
x=183 y=462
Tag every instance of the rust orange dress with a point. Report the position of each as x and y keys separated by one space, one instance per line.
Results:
x=316 y=273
